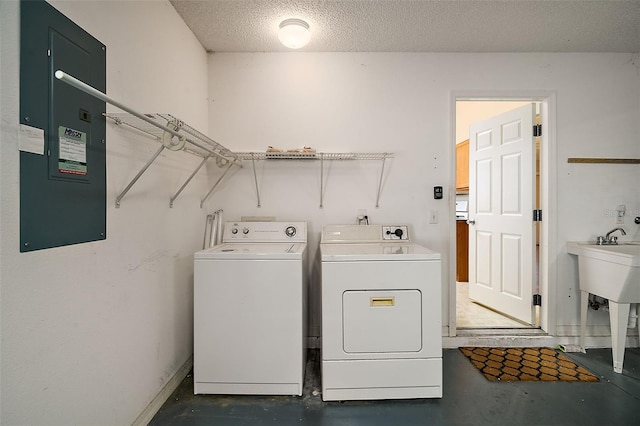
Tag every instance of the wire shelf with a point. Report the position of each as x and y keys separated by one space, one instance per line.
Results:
x=199 y=144
x=322 y=156
x=313 y=156
x=173 y=134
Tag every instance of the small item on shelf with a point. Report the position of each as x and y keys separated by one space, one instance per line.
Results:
x=305 y=150
x=273 y=153
x=290 y=154
x=306 y=153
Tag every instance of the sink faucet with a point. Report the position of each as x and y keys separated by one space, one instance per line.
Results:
x=608 y=239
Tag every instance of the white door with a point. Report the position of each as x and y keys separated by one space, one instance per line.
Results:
x=501 y=203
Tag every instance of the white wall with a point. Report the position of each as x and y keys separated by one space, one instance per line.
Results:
x=92 y=332
x=371 y=102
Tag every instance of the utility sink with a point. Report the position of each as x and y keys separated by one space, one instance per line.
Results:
x=611 y=272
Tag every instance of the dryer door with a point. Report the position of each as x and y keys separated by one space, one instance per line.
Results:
x=382 y=321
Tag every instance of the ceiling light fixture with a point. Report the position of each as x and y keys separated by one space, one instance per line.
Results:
x=294 y=33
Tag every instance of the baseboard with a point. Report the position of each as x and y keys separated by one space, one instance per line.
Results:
x=596 y=336
x=508 y=341
x=156 y=403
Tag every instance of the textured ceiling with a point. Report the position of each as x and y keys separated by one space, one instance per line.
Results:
x=418 y=25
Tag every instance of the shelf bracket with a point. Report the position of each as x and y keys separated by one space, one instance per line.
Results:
x=184 y=185
x=255 y=178
x=380 y=182
x=206 y=197
x=321 y=179
x=140 y=173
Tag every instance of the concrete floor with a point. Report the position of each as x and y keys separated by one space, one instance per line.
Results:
x=469 y=399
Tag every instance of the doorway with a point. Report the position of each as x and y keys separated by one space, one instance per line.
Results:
x=467 y=314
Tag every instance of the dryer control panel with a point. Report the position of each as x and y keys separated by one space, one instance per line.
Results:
x=362 y=234
x=396 y=232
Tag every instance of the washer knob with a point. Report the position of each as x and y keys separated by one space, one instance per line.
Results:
x=234 y=231
x=398 y=233
x=245 y=231
x=290 y=231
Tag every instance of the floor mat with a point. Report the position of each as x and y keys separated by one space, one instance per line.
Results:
x=526 y=364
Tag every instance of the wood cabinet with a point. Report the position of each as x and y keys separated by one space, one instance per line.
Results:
x=462 y=166
x=462 y=251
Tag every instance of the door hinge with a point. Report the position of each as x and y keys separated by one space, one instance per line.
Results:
x=537 y=215
x=537 y=300
x=537 y=130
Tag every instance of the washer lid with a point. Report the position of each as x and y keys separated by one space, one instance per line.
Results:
x=376 y=252
x=262 y=251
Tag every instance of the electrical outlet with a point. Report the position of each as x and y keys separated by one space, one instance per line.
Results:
x=362 y=218
x=622 y=209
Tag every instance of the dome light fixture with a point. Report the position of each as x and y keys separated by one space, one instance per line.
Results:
x=294 y=33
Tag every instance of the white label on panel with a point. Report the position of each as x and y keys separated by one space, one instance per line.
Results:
x=31 y=139
x=73 y=151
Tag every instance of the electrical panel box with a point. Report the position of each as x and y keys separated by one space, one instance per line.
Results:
x=63 y=158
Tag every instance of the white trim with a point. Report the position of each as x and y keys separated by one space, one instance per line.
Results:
x=451 y=289
x=156 y=403
x=548 y=194
x=501 y=341
x=597 y=337
x=530 y=341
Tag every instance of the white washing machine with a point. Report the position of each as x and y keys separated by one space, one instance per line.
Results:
x=381 y=315
x=250 y=310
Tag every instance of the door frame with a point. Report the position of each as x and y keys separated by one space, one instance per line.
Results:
x=548 y=195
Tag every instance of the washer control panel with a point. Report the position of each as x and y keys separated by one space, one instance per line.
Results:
x=265 y=232
x=395 y=232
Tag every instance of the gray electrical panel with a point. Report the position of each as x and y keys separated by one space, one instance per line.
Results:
x=62 y=182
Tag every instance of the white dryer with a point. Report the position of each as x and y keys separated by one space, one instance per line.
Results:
x=381 y=314
x=250 y=303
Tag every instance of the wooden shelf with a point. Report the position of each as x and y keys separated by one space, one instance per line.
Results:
x=604 y=160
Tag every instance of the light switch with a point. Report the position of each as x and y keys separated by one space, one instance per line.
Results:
x=433 y=216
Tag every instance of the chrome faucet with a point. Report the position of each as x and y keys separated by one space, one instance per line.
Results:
x=609 y=239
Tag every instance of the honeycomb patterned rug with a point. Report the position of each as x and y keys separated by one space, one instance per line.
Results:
x=526 y=364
